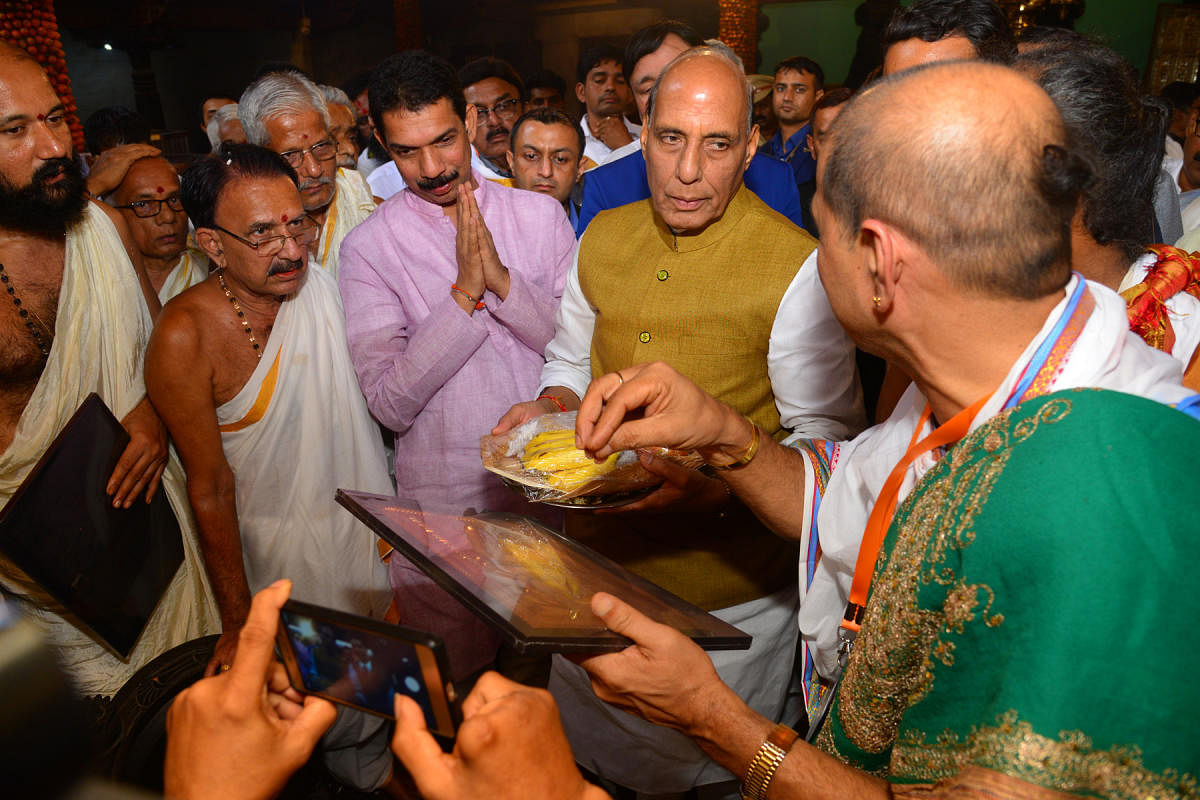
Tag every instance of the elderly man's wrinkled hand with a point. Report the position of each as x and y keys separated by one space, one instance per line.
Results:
x=663 y=677
x=652 y=405
x=682 y=489
x=241 y=734
x=510 y=745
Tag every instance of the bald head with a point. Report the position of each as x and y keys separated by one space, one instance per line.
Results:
x=969 y=160
x=697 y=138
x=710 y=70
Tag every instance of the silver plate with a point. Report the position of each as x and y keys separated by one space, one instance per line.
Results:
x=591 y=501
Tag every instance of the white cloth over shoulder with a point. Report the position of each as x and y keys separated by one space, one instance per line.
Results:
x=1105 y=356
x=297 y=431
x=99 y=344
x=352 y=203
x=386 y=181
x=191 y=269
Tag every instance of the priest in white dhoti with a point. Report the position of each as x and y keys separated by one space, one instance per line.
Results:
x=75 y=320
x=148 y=199
x=251 y=373
x=286 y=112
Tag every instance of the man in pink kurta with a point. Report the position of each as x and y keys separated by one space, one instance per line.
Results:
x=442 y=352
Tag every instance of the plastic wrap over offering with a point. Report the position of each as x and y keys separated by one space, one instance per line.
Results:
x=540 y=459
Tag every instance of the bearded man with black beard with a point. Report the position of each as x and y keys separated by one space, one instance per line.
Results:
x=75 y=316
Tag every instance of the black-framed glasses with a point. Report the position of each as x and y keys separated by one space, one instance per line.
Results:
x=323 y=150
x=505 y=109
x=305 y=233
x=150 y=208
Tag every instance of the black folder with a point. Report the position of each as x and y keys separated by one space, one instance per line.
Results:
x=107 y=566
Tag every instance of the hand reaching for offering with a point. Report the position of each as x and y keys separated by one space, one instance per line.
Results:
x=674 y=413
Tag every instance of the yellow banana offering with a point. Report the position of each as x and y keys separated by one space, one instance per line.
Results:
x=553 y=454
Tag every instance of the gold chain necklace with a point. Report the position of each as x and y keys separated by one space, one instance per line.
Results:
x=238 y=310
x=28 y=316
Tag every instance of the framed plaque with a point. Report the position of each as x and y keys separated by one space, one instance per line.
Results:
x=532 y=584
x=108 y=567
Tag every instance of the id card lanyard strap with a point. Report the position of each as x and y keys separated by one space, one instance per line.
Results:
x=1035 y=380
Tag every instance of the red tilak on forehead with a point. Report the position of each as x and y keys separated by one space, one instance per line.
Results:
x=41 y=117
x=284 y=218
x=161 y=190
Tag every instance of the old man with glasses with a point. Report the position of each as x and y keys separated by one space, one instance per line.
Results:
x=285 y=112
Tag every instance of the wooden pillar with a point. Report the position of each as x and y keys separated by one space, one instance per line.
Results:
x=408 y=25
x=738 y=28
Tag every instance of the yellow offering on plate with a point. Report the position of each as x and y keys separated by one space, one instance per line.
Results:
x=553 y=454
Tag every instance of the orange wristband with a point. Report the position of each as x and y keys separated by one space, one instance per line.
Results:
x=477 y=301
x=561 y=405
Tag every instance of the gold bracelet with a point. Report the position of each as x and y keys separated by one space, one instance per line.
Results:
x=747 y=456
x=766 y=761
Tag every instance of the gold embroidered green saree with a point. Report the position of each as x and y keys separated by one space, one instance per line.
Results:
x=1031 y=615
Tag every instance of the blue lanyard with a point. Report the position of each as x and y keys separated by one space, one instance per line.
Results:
x=1047 y=346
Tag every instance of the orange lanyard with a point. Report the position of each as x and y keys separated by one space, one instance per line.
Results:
x=885 y=506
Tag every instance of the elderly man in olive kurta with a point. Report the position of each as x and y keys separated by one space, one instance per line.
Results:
x=708 y=278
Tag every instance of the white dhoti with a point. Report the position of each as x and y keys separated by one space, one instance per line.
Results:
x=654 y=760
x=297 y=431
x=352 y=203
x=99 y=344
x=191 y=269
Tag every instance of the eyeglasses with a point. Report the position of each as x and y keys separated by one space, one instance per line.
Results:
x=150 y=208
x=321 y=151
x=305 y=233
x=505 y=109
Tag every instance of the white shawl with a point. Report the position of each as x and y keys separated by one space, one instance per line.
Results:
x=99 y=345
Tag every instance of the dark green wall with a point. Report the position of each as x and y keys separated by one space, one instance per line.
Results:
x=824 y=30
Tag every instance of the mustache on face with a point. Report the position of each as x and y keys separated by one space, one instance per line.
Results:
x=311 y=182
x=52 y=169
x=284 y=266
x=429 y=184
x=497 y=132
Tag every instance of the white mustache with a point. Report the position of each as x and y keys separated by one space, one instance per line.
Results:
x=322 y=181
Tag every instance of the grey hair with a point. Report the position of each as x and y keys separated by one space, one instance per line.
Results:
x=273 y=95
x=711 y=47
x=219 y=118
x=332 y=94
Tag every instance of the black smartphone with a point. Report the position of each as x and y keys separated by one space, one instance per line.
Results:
x=364 y=663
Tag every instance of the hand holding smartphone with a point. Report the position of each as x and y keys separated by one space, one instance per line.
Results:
x=363 y=663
